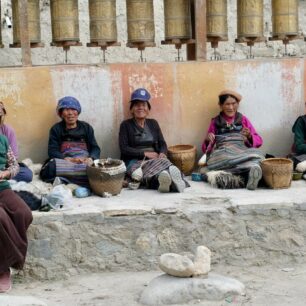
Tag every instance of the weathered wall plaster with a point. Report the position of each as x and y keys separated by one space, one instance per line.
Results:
x=184 y=99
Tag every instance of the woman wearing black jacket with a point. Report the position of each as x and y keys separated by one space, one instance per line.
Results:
x=142 y=146
x=72 y=146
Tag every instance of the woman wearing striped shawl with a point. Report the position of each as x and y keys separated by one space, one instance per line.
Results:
x=231 y=147
x=142 y=146
x=72 y=146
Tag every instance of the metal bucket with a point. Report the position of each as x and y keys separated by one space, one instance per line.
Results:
x=285 y=18
x=64 y=20
x=140 y=21
x=216 y=19
x=177 y=19
x=33 y=21
x=103 y=27
x=250 y=22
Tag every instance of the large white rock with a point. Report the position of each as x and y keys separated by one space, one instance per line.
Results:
x=166 y=289
x=176 y=265
x=202 y=261
x=10 y=300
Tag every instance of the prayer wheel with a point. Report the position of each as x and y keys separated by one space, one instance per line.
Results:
x=250 y=24
x=140 y=21
x=216 y=19
x=285 y=18
x=64 y=20
x=103 y=27
x=177 y=19
x=33 y=22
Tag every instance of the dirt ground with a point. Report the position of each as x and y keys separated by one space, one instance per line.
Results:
x=273 y=286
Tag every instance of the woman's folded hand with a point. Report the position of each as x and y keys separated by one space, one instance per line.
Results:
x=151 y=155
x=210 y=137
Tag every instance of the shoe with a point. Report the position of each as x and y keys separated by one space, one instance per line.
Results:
x=177 y=180
x=5 y=281
x=165 y=181
x=255 y=175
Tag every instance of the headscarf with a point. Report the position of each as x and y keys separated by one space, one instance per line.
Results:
x=231 y=93
x=68 y=102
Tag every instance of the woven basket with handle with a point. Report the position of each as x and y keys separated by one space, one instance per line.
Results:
x=107 y=176
x=183 y=156
x=277 y=172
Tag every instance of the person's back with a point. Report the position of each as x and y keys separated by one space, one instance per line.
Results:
x=299 y=130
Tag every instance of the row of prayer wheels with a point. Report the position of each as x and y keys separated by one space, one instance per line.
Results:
x=250 y=20
x=140 y=21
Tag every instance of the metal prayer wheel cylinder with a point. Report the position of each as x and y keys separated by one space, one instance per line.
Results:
x=103 y=27
x=177 y=19
x=140 y=21
x=64 y=20
x=33 y=21
x=216 y=19
x=285 y=19
x=250 y=23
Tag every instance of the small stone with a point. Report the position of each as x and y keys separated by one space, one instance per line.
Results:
x=202 y=261
x=176 y=265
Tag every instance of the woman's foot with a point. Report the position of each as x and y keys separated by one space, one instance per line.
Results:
x=177 y=180
x=5 y=281
x=165 y=181
x=255 y=175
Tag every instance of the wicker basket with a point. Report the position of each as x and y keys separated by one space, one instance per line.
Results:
x=183 y=156
x=277 y=172
x=107 y=176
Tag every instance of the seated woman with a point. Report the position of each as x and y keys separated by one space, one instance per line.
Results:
x=24 y=174
x=15 y=218
x=230 y=146
x=72 y=145
x=142 y=145
x=299 y=146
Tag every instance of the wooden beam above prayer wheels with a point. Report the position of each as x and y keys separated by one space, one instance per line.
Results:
x=24 y=34
x=198 y=50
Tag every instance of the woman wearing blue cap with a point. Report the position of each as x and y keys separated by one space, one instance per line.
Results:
x=142 y=146
x=72 y=145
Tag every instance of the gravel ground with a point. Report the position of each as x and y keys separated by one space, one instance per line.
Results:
x=265 y=285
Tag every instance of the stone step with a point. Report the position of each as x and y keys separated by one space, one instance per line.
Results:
x=129 y=232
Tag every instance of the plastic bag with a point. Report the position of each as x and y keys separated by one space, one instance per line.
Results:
x=60 y=198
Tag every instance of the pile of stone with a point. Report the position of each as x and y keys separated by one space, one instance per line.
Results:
x=187 y=278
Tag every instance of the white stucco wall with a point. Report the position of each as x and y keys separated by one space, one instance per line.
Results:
x=52 y=55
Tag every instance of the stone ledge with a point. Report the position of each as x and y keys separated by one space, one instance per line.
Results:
x=129 y=232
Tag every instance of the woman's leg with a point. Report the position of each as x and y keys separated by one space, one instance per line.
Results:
x=24 y=175
x=15 y=218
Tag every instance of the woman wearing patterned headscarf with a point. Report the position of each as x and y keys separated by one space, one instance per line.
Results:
x=231 y=147
x=72 y=145
x=24 y=174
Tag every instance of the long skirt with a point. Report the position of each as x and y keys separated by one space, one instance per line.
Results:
x=150 y=169
x=69 y=172
x=15 y=218
x=232 y=155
